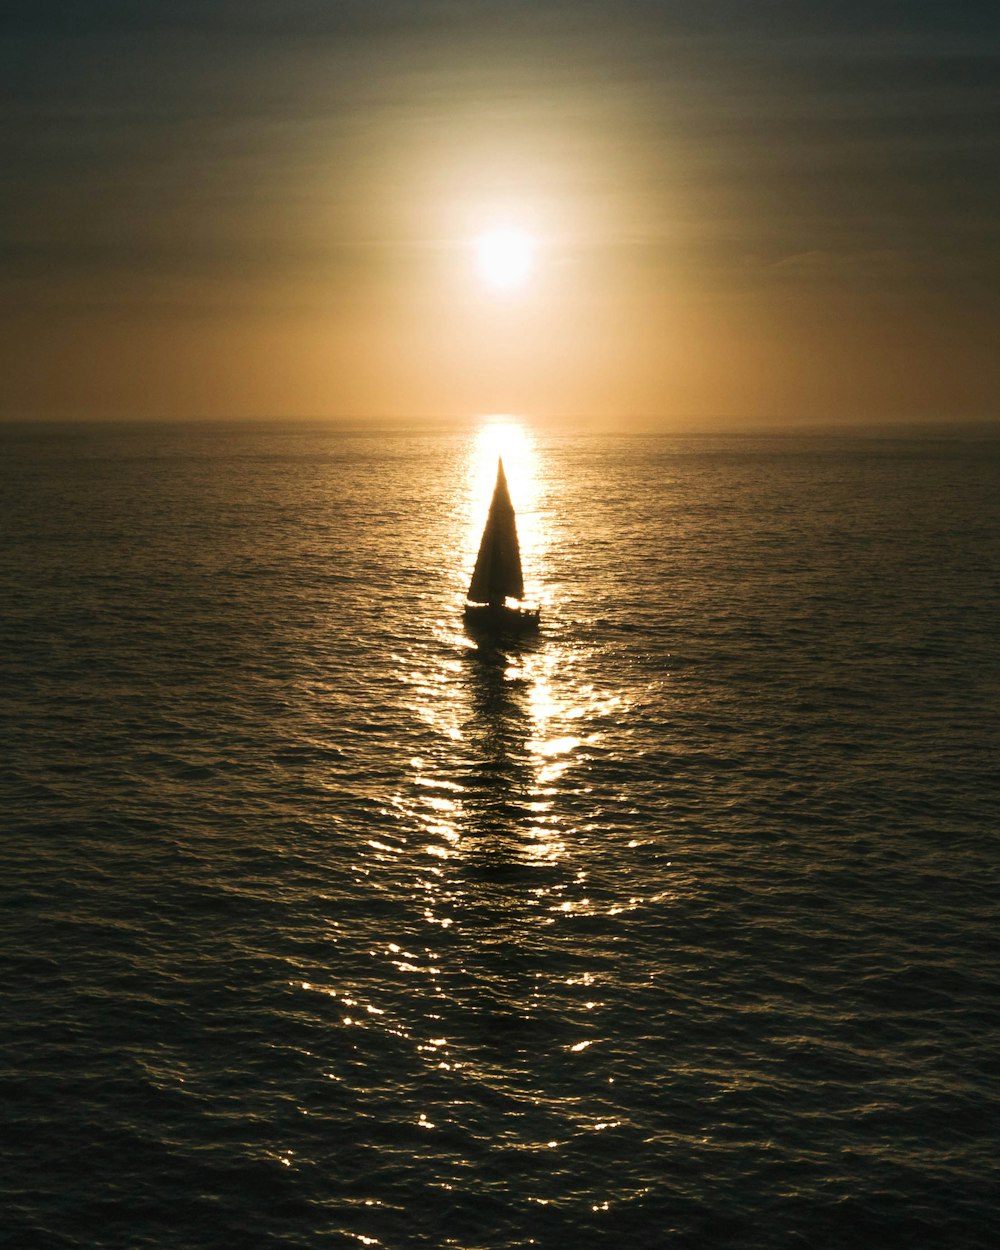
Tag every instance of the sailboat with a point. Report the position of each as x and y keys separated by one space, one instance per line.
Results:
x=497 y=577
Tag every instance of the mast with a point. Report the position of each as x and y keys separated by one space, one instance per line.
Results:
x=497 y=575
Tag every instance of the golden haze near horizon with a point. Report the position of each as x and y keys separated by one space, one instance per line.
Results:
x=298 y=230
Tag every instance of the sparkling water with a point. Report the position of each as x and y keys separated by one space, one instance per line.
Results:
x=326 y=927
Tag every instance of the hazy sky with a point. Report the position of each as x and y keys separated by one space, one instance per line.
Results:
x=745 y=211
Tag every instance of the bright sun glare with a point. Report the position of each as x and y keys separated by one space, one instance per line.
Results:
x=505 y=258
x=503 y=436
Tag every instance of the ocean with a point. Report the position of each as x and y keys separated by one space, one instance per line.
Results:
x=325 y=927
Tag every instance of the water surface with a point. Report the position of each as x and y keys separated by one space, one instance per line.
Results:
x=325 y=928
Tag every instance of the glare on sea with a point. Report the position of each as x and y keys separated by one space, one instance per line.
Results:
x=504 y=437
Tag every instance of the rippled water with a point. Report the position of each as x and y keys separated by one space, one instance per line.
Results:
x=324 y=928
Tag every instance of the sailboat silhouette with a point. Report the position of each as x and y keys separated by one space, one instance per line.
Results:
x=497 y=576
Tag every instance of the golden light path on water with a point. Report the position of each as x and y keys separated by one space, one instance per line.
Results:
x=511 y=722
x=498 y=836
x=485 y=858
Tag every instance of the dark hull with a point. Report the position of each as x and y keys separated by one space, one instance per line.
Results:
x=500 y=620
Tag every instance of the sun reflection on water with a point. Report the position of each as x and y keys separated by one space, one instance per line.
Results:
x=509 y=724
x=499 y=790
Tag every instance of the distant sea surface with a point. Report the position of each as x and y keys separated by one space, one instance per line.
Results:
x=324 y=928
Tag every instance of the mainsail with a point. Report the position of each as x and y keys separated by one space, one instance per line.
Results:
x=497 y=575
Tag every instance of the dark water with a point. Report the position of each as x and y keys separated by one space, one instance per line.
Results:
x=323 y=929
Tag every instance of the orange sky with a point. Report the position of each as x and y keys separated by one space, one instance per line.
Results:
x=266 y=215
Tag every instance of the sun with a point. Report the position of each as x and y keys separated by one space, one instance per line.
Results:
x=505 y=258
